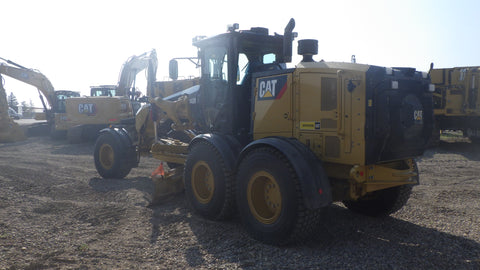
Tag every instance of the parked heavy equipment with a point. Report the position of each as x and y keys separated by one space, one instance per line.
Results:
x=54 y=107
x=9 y=130
x=166 y=88
x=456 y=100
x=280 y=144
x=109 y=104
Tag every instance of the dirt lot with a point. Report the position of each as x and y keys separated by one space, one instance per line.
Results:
x=56 y=213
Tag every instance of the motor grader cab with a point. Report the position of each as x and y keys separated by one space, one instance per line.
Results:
x=456 y=100
x=280 y=143
x=54 y=107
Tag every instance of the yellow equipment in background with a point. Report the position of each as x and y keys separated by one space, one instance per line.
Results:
x=109 y=104
x=54 y=107
x=456 y=100
x=9 y=130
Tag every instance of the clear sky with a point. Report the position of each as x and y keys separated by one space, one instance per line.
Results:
x=77 y=44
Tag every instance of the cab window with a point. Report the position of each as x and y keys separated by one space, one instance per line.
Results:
x=242 y=68
x=216 y=63
x=269 y=58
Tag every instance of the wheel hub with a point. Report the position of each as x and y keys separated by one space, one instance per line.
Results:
x=203 y=184
x=264 y=197
x=106 y=156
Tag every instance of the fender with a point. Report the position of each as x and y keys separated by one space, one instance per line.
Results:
x=121 y=135
x=313 y=179
x=228 y=147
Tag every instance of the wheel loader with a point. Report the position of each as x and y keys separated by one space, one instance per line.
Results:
x=277 y=145
x=456 y=101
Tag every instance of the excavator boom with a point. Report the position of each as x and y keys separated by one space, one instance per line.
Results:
x=29 y=76
x=132 y=67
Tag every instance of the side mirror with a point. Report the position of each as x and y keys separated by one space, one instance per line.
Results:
x=173 y=69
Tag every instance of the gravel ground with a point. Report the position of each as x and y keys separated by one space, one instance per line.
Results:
x=57 y=213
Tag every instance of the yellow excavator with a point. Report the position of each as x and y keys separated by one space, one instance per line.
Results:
x=109 y=104
x=54 y=107
x=9 y=130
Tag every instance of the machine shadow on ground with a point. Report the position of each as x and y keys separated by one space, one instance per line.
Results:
x=142 y=184
x=344 y=232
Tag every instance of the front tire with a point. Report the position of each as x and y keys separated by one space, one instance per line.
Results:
x=270 y=201
x=111 y=156
x=208 y=188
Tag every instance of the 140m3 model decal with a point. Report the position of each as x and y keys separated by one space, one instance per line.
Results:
x=272 y=87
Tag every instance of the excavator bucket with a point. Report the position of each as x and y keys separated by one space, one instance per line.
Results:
x=167 y=184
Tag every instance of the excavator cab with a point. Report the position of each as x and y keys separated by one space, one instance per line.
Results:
x=60 y=97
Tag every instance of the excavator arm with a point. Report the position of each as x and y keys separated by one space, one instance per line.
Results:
x=29 y=76
x=132 y=67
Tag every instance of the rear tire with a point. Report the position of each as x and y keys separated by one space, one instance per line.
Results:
x=383 y=202
x=270 y=201
x=111 y=156
x=208 y=188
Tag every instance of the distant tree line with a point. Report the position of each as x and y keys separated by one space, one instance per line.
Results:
x=26 y=109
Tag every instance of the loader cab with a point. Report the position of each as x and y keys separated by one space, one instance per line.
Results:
x=227 y=64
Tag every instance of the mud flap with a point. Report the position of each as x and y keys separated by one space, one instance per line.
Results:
x=313 y=179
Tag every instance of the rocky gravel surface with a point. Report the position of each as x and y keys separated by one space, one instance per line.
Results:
x=57 y=213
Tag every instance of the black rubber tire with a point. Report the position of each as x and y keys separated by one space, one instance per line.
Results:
x=381 y=202
x=111 y=156
x=218 y=202
x=289 y=221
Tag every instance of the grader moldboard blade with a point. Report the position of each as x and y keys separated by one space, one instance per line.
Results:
x=168 y=183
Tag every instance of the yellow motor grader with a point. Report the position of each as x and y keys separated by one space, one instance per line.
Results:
x=278 y=144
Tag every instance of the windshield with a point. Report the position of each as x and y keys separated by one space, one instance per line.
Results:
x=103 y=92
x=216 y=66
